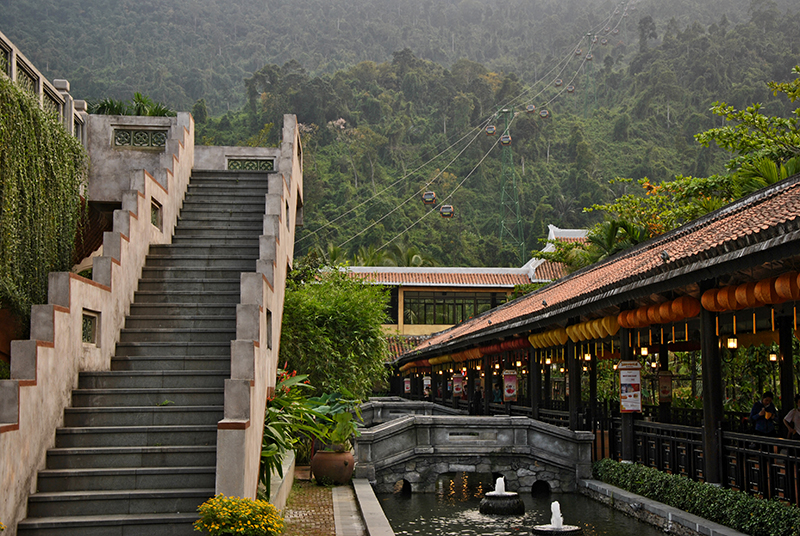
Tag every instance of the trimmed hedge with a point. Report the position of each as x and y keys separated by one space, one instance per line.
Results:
x=734 y=509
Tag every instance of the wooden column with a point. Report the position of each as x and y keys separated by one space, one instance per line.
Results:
x=664 y=408
x=785 y=327
x=488 y=375
x=574 y=378
x=535 y=369
x=712 y=394
x=592 y=390
x=548 y=385
x=628 y=439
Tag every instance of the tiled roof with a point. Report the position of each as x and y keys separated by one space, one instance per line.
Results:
x=551 y=270
x=485 y=278
x=765 y=219
x=400 y=344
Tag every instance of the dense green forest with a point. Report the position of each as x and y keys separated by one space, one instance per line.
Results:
x=393 y=98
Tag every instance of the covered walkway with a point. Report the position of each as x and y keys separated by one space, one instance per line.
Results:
x=725 y=281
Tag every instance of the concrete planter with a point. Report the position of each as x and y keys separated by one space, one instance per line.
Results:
x=332 y=467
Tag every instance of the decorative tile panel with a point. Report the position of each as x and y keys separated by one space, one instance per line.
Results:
x=251 y=165
x=139 y=138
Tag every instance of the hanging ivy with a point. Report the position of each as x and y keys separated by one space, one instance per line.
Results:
x=42 y=174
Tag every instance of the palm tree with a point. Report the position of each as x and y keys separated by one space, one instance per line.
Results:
x=369 y=256
x=762 y=172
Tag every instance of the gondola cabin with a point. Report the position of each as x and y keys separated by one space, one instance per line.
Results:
x=559 y=82
x=604 y=42
x=615 y=31
x=505 y=139
x=491 y=130
x=589 y=57
x=578 y=51
x=544 y=114
x=594 y=39
x=570 y=89
x=447 y=211
x=531 y=108
x=429 y=198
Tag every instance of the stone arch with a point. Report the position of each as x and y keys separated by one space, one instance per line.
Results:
x=540 y=487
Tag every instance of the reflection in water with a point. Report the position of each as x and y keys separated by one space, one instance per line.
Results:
x=453 y=510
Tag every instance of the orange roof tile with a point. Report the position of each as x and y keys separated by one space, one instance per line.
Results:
x=488 y=278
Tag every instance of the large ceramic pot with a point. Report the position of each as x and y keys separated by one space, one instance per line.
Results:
x=331 y=467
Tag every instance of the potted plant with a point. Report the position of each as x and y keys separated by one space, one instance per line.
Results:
x=334 y=462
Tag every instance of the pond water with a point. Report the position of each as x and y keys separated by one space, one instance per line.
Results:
x=453 y=510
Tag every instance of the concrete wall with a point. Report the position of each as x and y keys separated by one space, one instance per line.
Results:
x=44 y=369
x=110 y=163
x=418 y=448
x=215 y=158
x=254 y=353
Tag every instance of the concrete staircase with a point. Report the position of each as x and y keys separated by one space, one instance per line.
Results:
x=137 y=453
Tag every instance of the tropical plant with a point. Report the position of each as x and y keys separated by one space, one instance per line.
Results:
x=234 y=515
x=290 y=419
x=139 y=105
x=342 y=415
x=332 y=328
x=42 y=175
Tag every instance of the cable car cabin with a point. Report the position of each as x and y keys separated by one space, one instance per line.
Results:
x=604 y=42
x=447 y=211
x=615 y=31
x=570 y=89
x=491 y=130
x=505 y=139
x=578 y=52
x=559 y=82
x=544 y=114
x=429 y=198
x=594 y=39
x=589 y=57
x=607 y=29
x=530 y=108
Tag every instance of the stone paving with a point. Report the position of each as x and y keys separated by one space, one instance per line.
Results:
x=314 y=510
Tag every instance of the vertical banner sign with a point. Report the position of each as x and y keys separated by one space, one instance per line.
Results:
x=426 y=382
x=630 y=387
x=510 y=385
x=665 y=387
x=407 y=385
x=458 y=385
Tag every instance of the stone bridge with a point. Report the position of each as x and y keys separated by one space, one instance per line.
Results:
x=417 y=445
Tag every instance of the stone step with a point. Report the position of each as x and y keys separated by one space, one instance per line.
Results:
x=136 y=436
x=219 y=364
x=229 y=185
x=166 y=273
x=225 y=238
x=176 y=334
x=221 y=207
x=188 y=234
x=174 y=350
x=143 y=416
x=235 y=262
x=187 y=296
x=204 y=250
x=222 y=322
x=225 y=196
x=81 y=458
x=207 y=396
x=151 y=379
x=105 y=502
x=196 y=285
x=111 y=525
x=120 y=478
x=217 y=220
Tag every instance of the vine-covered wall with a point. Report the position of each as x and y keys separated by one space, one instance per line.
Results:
x=42 y=171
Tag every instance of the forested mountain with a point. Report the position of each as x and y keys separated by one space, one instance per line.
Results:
x=394 y=96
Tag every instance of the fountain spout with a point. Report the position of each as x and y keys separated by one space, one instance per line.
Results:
x=556 y=520
x=500 y=486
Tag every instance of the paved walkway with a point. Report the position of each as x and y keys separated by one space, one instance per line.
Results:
x=314 y=510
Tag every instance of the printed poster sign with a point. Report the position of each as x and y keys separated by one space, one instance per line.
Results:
x=510 y=385
x=426 y=382
x=458 y=385
x=407 y=385
x=665 y=387
x=630 y=387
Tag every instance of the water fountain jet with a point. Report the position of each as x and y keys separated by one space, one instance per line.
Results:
x=556 y=526
x=501 y=501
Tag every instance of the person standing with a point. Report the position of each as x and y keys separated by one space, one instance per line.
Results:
x=763 y=414
x=792 y=420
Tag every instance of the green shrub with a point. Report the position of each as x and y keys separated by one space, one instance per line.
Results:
x=42 y=171
x=734 y=509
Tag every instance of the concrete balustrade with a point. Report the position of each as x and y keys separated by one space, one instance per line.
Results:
x=418 y=448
